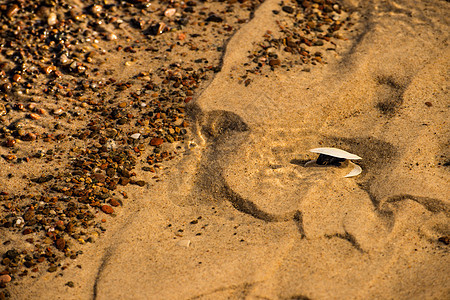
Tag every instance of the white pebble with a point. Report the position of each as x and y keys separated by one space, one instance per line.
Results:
x=19 y=221
x=184 y=243
x=52 y=19
x=135 y=136
x=170 y=12
x=58 y=111
x=111 y=36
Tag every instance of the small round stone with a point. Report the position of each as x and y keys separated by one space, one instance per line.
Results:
x=34 y=116
x=60 y=244
x=17 y=78
x=52 y=19
x=274 y=62
x=114 y=202
x=107 y=209
x=5 y=278
x=156 y=141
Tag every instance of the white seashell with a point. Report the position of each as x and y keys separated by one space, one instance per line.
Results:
x=335 y=152
x=355 y=172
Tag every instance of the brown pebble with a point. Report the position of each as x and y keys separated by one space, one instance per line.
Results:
x=27 y=231
x=274 y=62
x=34 y=116
x=122 y=104
x=114 y=202
x=156 y=141
x=124 y=180
x=96 y=9
x=29 y=137
x=60 y=244
x=52 y=269
x=100 y=177
x=107 y=209
x=48 y=69
x=10 y=142
x=5 y=278
x=140 y=183
x=429 y=104
x=17 y=78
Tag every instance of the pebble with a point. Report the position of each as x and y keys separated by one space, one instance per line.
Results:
x=214 y=18
x=29 y=137
x=274 y=62
x=170 y=12
x=17 y=78
x=96 y=9
x=288 y=9
x=156 y=141
x=184 y=243
x=52 y=269
x=135 y=136
x=34 y=116
x=114 y=202
x=10 y=142
x=60 y=244
x=58 y=112
x=52 y=19
x=5 y=278
x=107 y=209
x=111 y=36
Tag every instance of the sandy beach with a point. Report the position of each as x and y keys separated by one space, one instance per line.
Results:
x=235 y=213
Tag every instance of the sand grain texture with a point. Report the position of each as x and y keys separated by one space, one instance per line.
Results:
x=274 y=229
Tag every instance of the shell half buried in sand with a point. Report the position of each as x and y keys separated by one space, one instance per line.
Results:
x=334 y=157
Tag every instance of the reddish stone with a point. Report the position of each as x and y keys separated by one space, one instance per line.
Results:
x=5 y=278
x=107 y=209
x=34 y=116
x=156 y=141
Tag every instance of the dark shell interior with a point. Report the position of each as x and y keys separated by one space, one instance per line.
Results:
x=325 y=160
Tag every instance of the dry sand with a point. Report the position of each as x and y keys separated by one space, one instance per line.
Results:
x=272 y=228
